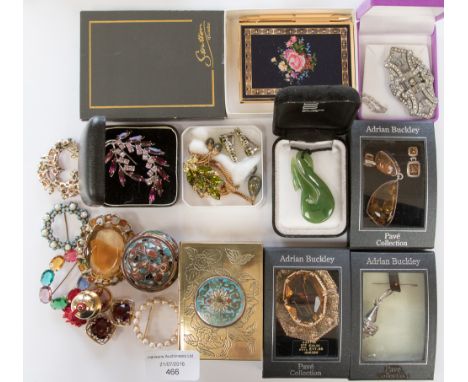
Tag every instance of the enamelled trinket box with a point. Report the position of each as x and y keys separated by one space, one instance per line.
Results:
x=394 y=315
x=148 y=65
x=307 y=309
x=393 y=185
x=221 y=300
x=128 y=165
x=150 y=261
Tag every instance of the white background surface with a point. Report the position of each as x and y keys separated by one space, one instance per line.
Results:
x=54 y=351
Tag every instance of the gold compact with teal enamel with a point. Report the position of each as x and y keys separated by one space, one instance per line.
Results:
x=221 y=300
x=317 y=202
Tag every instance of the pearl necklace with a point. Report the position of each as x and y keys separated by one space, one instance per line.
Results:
x=142 y=336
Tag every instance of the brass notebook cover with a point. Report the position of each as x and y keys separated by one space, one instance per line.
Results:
x=221 y=300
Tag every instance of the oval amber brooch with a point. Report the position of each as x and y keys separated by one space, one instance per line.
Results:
x=101 y=252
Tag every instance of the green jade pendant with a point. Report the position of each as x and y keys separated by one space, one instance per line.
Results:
x=317 y=202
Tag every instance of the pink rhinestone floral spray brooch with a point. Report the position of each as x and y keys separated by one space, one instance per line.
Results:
x=128 y=152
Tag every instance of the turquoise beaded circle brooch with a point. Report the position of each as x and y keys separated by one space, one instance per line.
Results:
x=63 y=209
x=220 y=301
x=150 y=261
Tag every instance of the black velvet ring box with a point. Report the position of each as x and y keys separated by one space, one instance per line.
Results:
x=393 y=185
x=314 y=120
x=128 y=165
x=307 y=317
x=394 y=315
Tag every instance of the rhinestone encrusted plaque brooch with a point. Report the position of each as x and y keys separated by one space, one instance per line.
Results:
x=411 y=82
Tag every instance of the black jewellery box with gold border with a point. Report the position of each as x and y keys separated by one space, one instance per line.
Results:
x=310 y=165
x=393 y=185
x=147 y=65
x=394 y=315
x=306 y=321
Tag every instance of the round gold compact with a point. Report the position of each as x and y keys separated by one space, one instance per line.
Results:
x=102 y=248
x=307 y=303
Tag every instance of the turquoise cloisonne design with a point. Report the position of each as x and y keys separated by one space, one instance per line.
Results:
x=149 y=263
x=220 y=301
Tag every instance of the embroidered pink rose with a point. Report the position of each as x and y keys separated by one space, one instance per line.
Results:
x=296 y=61
x=287 y=53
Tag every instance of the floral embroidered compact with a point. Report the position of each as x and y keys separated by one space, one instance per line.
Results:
x=277 y=55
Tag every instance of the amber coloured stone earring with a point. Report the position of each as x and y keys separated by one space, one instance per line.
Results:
x=383 y=201
x=413 y=167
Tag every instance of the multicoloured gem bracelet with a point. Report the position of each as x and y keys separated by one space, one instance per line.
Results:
x=46 y=293
x=92 y=306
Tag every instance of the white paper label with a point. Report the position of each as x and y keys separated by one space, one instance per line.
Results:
x=173 y=366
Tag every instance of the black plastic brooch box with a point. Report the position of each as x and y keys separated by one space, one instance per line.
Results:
x=393 y=185
x=394 y=315
x=307 y=318
x=315 y=119
x=147 y=65
x=131 y=165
